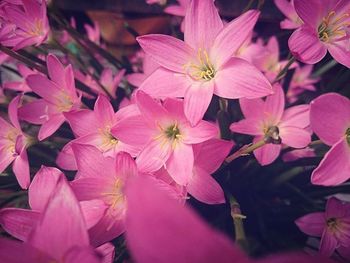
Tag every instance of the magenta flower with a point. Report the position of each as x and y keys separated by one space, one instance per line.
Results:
x=168 y=135
x=94 y=128
x=267 y=120
x=58 y=96
x=326 y=27
x=25 y=25
x=54 y=238
x=92 y=183
x=20 y=222
x=160 y=229
x=208 y=156
x=298 y=154
x=13 y=144
x=93 y=32
x=203 y=65
x=300 y=82
x=330 y=120
x=333 y=226
x=287 y=8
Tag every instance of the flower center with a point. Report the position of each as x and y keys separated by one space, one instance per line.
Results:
x=272 y=135
x=348 y=135
x=202 y=69
x=108 y=140
x=172 y=132
x=332 y=223
x=334 y=27
x=64 y=102
x=36 y=29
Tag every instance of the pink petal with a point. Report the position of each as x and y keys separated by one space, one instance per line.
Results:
x=9 y=252
x=204 y=188
x=107 y=251
x=20 y=168
x=50 y=126
x=93 y=211
x=310 y=11
x=202 y=24
x=334 y=168
x=65 y=159
x=56 y=235
x=297 y=116
x=247 y=126
x=44 y=87
x=232 y=36
x=104 y=111
x=330 y=117
x=197 y=100
x=306 y=46
x=312 y=224
x=180 y=163
x=203 y=131
x=153 y=156
x=125 y=165
x=18 y=222
x=35 y=112
x=340 y=53
x=268 y=153
x=149 y=108
x=335 y=208
x=295 y=137
x=328 y=243
x=13 y=112
x=6 y=158
x=274 y=105
x=43 y=185
x=89 y=188
x=164 y=83
x=161 y=215
x=55 y=69
x=239 y=79
x=82 y=122
x=82 y=254
x=252 y=108
x=91 y=161
x=168 y=51
x=210 y=155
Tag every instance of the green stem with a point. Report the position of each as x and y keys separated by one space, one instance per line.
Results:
x=283 y=72
x=248 y=6
x=324 y=69
x=245 y=150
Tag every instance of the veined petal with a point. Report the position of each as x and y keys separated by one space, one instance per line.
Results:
x=310 y=11
x=56 y=70
x=202 y=24
x=250 y=126
x=340 y=52
x=267 y=153
x=20 y=168
x=82 y=122
x=180 y=163
x=82 y=254
x=239 y=79
x=104 y=111
x=197 y=100
x=44 y=87
x=274 y=105
x=93 y=211
x=204 y=188
x=154 y=155
x=150 y=109
x=203 y=131
x=334 y=168
x=312 y=224
x=35 y=112
x=43 y=185
x=297 y=116
x=13 y=112
x=251 y=108
x=335 y=208
x=295 y=137
x=6 y=158
x=328 y=243
x=50 y=126
x=306 y=46
x=19 y=222
x=168 y=51
x=232 y=36
x=330 y=117
x=164 y=83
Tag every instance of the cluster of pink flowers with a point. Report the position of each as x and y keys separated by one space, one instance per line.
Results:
x=136 y=165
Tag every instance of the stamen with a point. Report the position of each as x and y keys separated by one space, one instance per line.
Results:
x=348 y=135
x=202 y=71
x=272 y=135
x=334 y=28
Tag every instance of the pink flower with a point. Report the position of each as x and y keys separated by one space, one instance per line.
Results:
x=160 y=229
x=22 y=84
x=58 y=96
x=300 y=82
x=54 y=238
x=287 y=8
x=267 y=120
x=13 y=144
x=333 y=226
x=92 y=183
x=326 y=27
x=167 y=136
x=20 y=222
x=208 y=156
x=202 y=65
x=268 y=60
x=25 y=25
x=94 y=128
x=330 y=120
x=93 y=32
x=298 y=154
x=110 y=81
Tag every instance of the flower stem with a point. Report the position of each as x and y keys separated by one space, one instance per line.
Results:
x=283 y=72
x=245 y=150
